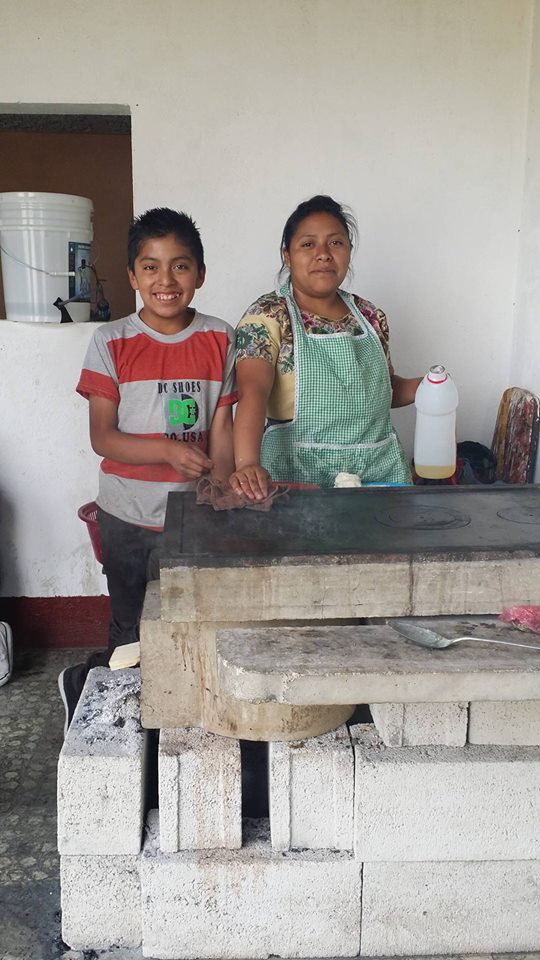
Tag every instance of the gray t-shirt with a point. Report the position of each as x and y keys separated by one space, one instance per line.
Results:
x=164 y=386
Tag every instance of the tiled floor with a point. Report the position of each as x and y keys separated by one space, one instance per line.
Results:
x=31 y=733
x=31 y=736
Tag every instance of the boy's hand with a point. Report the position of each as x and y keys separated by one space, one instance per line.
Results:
x=188 y=461
x=253 y=481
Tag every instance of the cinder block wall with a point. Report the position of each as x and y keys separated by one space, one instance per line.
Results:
x=374 y=848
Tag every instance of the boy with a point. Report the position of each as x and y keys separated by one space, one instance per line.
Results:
x=160 y=386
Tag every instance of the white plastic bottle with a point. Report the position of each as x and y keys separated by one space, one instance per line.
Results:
x=436 y=403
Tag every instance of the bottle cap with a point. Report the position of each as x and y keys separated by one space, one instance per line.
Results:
x=437 y=374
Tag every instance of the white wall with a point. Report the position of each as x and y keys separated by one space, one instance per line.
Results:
x=414 y=112
x=47 y=468
x=525 y=365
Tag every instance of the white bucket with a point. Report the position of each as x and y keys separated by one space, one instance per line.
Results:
x=45 y=241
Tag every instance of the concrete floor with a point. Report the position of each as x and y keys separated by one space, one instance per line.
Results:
x=31 y=733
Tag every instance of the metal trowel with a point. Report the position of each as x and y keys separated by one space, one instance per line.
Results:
x=425 y=637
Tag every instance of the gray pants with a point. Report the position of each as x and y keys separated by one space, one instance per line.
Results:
x=130 y=559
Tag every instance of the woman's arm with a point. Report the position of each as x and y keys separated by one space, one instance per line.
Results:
x=255 y=379
x=220 y=443
x=108 y=441
x=403 y=389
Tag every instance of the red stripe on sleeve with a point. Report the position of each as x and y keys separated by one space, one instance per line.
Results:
x=228 y=399
x=154 y=473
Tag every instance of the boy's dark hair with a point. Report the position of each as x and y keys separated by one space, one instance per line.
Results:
x=159 y=222
x=319 y=204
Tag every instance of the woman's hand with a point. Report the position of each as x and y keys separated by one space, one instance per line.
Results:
x=253 y=481
x=403 y=389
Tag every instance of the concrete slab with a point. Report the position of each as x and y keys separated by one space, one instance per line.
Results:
x=101 y=768
x=253 y=902
x=353 y=553
x=413 y=521
x=348 y=587
x=441 y=586
x=314 y=589
x=324 y=555
x=445 y=803
x=372 y=664
x=180 y=685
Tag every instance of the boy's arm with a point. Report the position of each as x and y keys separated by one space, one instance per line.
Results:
x=108 y=441
x=220 y=443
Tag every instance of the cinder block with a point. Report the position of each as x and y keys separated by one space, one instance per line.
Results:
x=421 y=724
x=506 y=723
x=101 y=768
x=101 y=902
x=312 y=792
x=445 y=803
x=413 y=909
x=252 y=902
x=200 y=791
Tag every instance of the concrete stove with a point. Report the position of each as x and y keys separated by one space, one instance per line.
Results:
x=335 y=555
x=417 y=834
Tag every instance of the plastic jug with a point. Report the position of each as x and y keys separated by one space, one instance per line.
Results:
x=436 y=403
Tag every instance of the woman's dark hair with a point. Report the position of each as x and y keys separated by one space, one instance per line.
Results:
x=159 y=222
x=319 y=204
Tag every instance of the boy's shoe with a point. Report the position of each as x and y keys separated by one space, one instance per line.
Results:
x=6 y=652
x=70 y=693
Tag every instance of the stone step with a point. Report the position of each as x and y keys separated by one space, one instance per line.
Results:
x=373 y=664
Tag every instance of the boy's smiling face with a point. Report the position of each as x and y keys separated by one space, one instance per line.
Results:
x=166 y=275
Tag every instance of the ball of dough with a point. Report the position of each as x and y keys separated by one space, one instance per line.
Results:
x=347 y=480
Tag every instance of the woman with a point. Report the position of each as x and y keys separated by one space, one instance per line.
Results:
x=313 y=363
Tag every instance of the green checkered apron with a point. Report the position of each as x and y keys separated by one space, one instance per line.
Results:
x=341 y=410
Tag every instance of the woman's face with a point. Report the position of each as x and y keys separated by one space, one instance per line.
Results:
x=318 y=255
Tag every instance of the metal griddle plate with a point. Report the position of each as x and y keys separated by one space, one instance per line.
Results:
x=374 y=521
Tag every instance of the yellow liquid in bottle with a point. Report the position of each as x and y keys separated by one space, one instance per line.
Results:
x=434 y=473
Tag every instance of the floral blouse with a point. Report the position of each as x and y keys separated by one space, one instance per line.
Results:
x=265 y=333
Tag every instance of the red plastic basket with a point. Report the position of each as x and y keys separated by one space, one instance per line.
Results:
x=88 y=513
